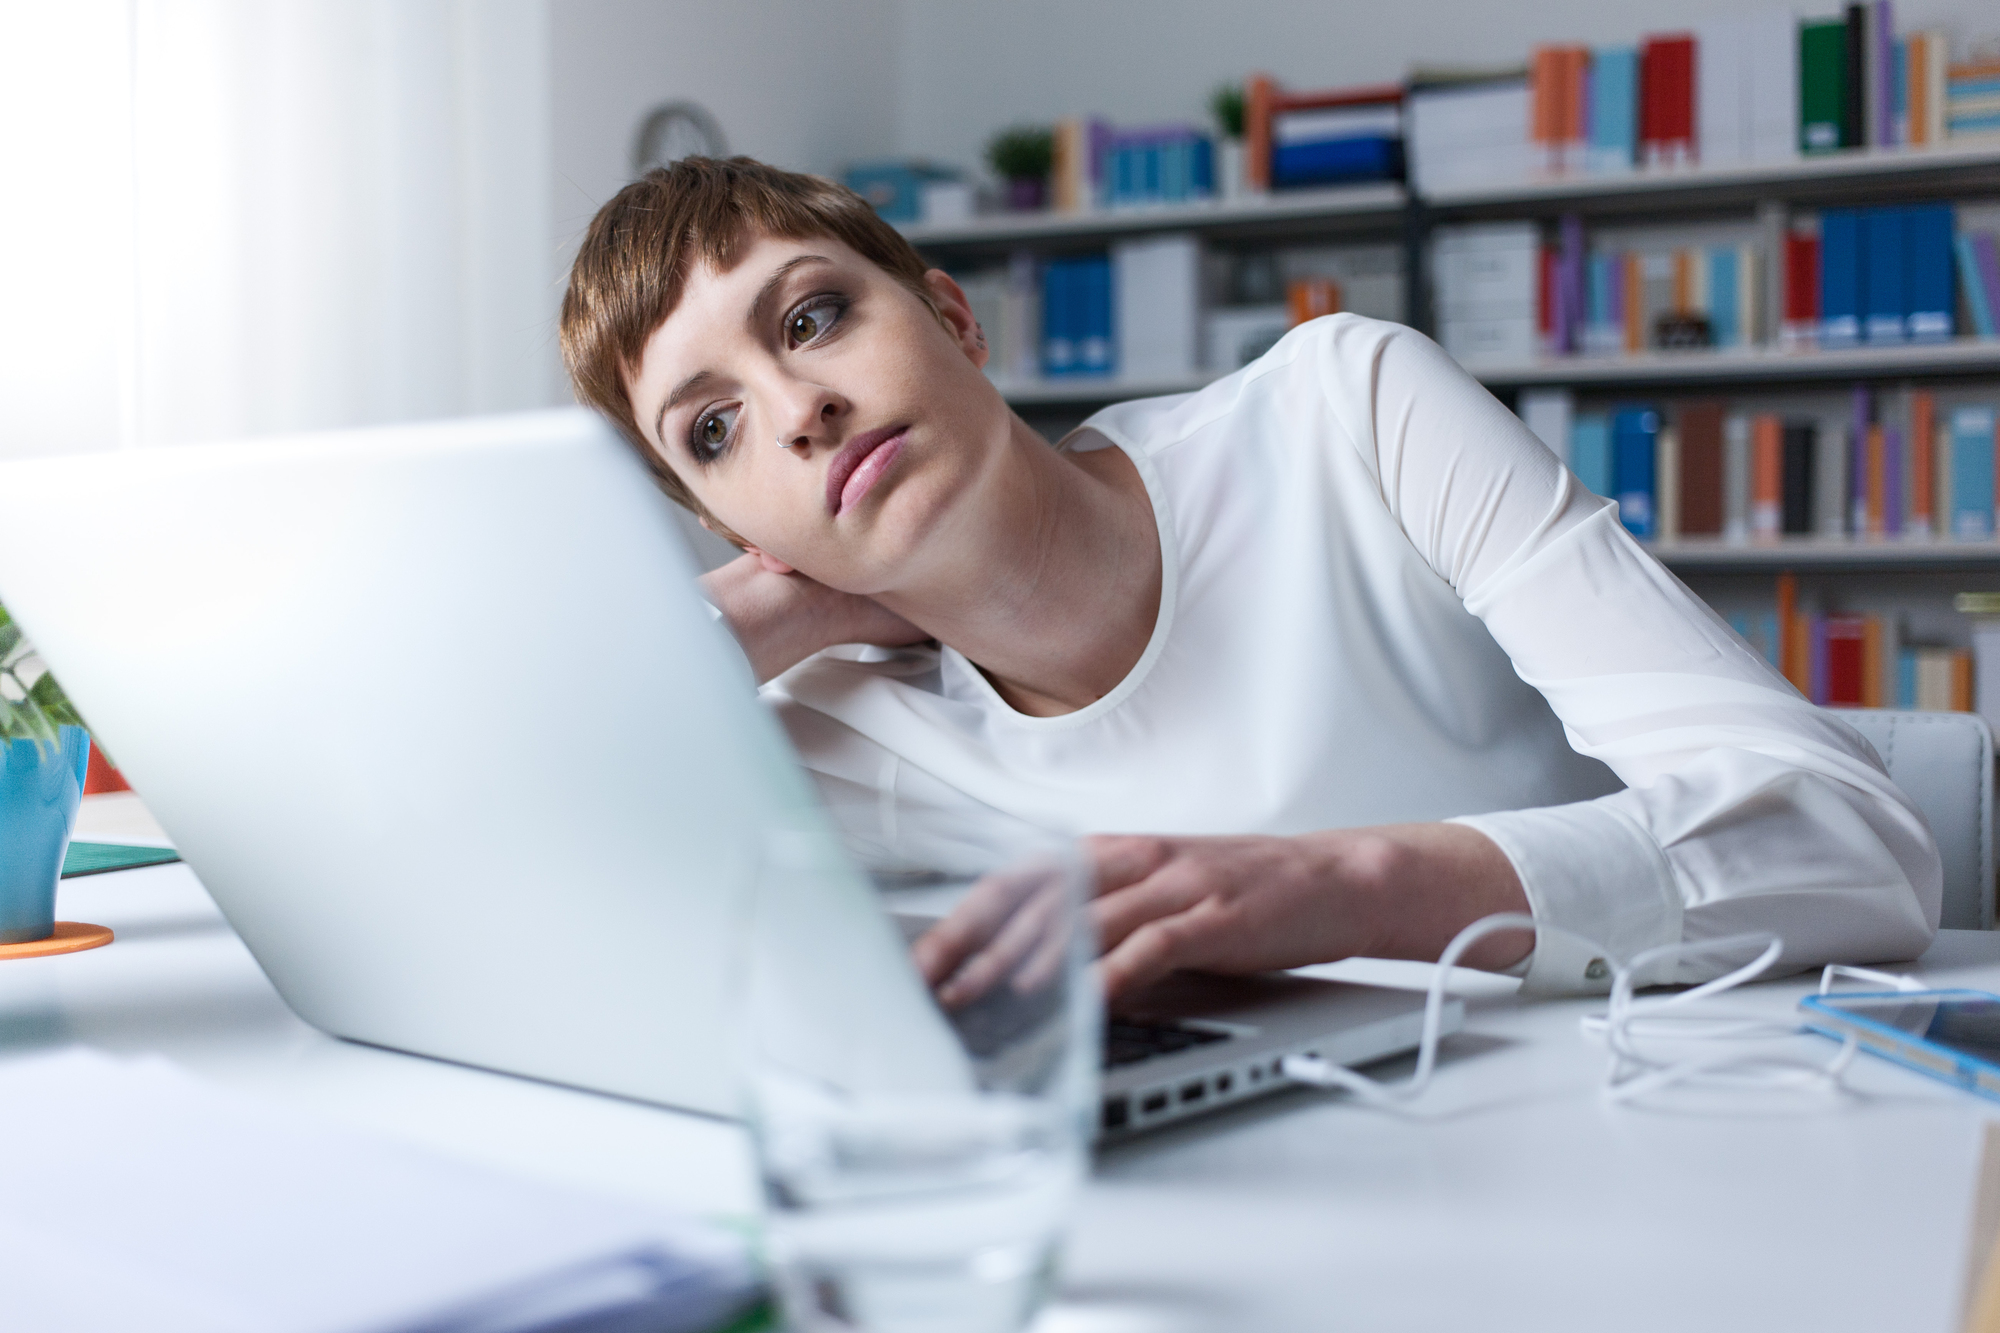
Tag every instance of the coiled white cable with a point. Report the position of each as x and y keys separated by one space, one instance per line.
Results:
x=1628 y=1021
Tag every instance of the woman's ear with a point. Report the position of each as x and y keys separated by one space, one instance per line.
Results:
x=955 y=312
x=769 y=562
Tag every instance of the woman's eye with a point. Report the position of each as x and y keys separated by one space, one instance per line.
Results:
x=812 y=322
x=711 y=432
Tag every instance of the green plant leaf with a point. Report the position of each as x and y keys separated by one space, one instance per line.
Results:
x=49 y=696
x=10 y=635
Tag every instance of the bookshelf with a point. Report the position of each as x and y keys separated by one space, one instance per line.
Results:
x=1358 y=207
x=1754 y=365
x=1913 y=581
x=1825 y=555
x=1858 y=175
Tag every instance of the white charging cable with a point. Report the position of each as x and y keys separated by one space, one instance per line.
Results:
x=1629 y=1021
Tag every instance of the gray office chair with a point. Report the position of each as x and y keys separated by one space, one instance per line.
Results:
x=1944 y=762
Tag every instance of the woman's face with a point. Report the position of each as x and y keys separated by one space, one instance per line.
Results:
x=820 y=410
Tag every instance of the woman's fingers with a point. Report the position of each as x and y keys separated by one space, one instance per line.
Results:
x=1160 y=946
x=1120 y=859
x=1172 y=889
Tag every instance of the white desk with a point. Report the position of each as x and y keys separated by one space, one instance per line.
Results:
x=1510 y=1198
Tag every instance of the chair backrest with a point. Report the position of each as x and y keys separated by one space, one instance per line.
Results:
x=1944 y=762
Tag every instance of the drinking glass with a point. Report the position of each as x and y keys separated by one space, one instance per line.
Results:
x=919 y=1092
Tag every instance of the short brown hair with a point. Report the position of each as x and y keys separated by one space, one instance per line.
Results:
x=634 y=264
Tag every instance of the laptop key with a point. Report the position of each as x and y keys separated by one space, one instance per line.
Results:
x=1128 y=1042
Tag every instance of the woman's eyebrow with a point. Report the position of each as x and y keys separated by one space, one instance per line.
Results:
x=778 y=275
x=686 y=389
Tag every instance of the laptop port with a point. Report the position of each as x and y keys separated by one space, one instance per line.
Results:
x=1155 y=1102
x=1193 y=1092
x=1223 y=1083
x=1117 y=1112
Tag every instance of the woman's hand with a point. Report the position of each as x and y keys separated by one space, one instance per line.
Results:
x=783 y=618
x=1254 y=904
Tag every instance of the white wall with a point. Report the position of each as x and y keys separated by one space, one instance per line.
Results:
x=806 y=84
x=970 y=68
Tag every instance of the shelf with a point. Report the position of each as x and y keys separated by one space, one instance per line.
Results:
x=1713 y=555
x=1965 y=356
x=1850 y=174
x=1092 y=389
x=1356 y=204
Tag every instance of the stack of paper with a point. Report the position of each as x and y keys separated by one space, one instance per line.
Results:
x=134 y=1197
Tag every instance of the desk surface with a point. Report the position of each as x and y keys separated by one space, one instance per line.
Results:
x=1510 y=1196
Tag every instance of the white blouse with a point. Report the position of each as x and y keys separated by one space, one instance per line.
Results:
x=1383 y=600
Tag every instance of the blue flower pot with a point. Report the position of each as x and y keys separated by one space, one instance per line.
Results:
x=39 y=792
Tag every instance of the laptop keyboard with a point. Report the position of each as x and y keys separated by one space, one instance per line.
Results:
x=1127 y=1042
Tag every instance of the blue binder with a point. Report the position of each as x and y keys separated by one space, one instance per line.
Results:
x=1927 y=248
x=1841 y=259
x=1634 y=431
x=1972 y=473
x=1886 y=305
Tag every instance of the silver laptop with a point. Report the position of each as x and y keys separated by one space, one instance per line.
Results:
x=437 y=717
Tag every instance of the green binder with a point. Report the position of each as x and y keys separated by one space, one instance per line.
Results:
x=1822 y=85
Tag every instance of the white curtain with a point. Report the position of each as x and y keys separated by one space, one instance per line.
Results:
x=312 y=213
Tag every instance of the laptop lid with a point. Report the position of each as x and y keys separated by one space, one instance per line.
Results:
x=436 y=715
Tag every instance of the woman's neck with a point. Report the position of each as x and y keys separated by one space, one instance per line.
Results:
x=1054 y=590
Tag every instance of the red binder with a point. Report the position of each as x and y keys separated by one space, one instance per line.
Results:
x=1666 y=100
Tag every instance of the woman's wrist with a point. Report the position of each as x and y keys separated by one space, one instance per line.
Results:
x=1415 y=886
x=771 y=615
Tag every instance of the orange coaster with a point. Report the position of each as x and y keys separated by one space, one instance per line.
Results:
x=70 y=937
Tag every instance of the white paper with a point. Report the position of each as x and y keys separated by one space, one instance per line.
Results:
x=133 y=1196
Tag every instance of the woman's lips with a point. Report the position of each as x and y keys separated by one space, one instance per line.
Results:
x=859 y=465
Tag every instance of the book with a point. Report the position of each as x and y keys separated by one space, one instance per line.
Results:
x=1972 y=99
x=1972 y=456
x=1842 y=276
x=1077 y=321
x=1972 y=280
x=1885 y=300
x=1928 y=54
x=1879 y=73
x=1701 y=491
x=1726 y=326
x=1590 y=453
x=1854 y=86
x=1874 y=471
x=1923 y=465
x=1845 y=637
x=1614 y=110
x=1559 y=127
x=1667 y=483
x=1634 y=435
x=1319 y=138
x=1074 y=170
x=1800 y=445
x=1830 y=482
x=1822 y=86
x=1860 y=418
x=1666 y=100
x=1930 y=307
x=1802 y=290
x=1736 y=468
x=1767 y=474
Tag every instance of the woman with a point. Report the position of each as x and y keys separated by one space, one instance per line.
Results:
x=1311 y=640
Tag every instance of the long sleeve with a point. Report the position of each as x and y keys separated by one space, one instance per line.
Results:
x=1745 y=808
